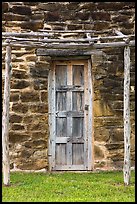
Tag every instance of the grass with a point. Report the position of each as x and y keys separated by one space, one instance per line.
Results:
x=69 y=187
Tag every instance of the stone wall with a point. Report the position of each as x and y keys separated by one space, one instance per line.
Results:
x=29 y=97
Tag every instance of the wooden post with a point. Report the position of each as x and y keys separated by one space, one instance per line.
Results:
x=126 y=168
x=5 y=119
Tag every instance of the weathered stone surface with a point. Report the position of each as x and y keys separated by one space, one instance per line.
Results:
x=40 y=84
x=14 y=97
x=5 y=7
x=17 y=127
x=101 y=25
x=52 y=16
x=101 y=134
x=114 y=146
x=116 y=134
x=40 y=154
x=37 y=135
x=108 y=121
x=37 y=126
x=103 y=16
x=28 y=119
x=33 y=25
x=39 y=108
x=101 y=108
x=14 y=17
x=19 y=84
x=39 y=72
x=19 y=74
x=19 y=108
x=44 y=96
x=99 y=154
x=23 y=10
x=74 y=27
x=82 y=15
x=49 y=6
x=29 y=96
x=111 y=6
x=14 y=118
x=17 y=137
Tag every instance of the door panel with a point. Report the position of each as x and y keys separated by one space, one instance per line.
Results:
x=68 y=118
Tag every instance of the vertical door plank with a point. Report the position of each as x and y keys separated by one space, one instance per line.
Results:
x=78 y=154
x=78 y=101
x=78 y=75
x=69 y=118
x=61 y=75
x=77 y=127
x=61 y=98
x=61 y=154
x=61 y=127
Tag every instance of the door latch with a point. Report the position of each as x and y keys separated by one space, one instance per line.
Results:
x=86 y=107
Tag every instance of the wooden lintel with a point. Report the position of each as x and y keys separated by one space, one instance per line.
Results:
x=66 y=52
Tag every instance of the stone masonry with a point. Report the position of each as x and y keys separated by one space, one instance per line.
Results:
x=29 y=97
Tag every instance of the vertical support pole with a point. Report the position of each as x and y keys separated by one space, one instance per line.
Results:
x=126 y=168
x=5 y=119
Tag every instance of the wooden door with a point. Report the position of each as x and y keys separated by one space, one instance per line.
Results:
x=70 y=111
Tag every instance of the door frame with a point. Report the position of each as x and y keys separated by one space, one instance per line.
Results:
x=51 y=116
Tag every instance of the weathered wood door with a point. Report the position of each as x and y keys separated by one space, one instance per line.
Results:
x=70 y=115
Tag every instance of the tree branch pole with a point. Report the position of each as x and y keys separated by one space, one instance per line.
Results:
x=126 y=167
x=5 y=119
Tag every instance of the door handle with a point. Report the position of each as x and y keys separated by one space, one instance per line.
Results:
x=86 y=107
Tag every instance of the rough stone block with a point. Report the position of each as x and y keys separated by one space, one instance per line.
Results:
x=14 y=97
x=101 y=108
x=52 y=16
x=50 y=6
x=99 y=154
x=37 y=126
x=17 y=127
x=15 y=118
x=39 y=134
x=116 y=134
x=23 y=10
x=44 y=96
x=101 y=25
x=74 y=27
x=17 y=137
x=82 y=15
x=39 y=108
x=33 y=25
x=5 y=7
x=39 y=72
x=101 y=134
x=40 y=84
x=14 y=17
x=19 y=108
x=103 y=16
x=19 y=84
x=28 y=119
x=19 y=74
x=29 y=96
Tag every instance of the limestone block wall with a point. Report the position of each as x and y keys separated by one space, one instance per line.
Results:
x=29 y=97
